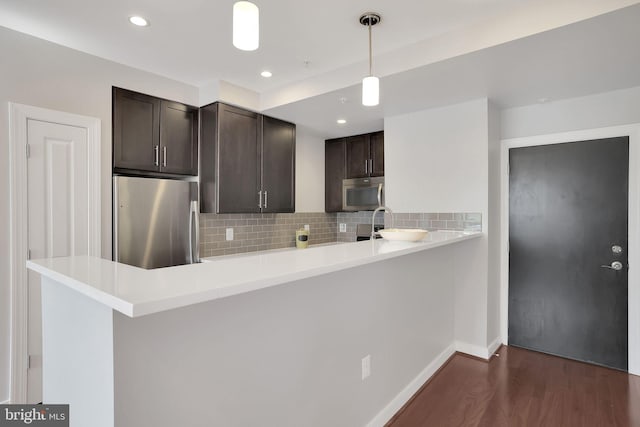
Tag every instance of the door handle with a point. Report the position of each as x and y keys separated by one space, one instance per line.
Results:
x=366 y=166
x=156 y=160
x=164 y=156
x=265 y=199
x=615 y=265
x=260 y=199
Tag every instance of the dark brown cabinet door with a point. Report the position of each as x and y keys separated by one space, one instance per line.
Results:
x=278 y=165
x=237 y=160
x=178 y=138
x=377 y=154
x=136 y=131
x=357 y=148
x=334 y=173
x=208 y=158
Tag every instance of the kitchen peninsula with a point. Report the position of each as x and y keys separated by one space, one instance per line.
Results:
x=273 y=338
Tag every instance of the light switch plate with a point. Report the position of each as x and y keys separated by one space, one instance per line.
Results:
x=229 y=234
x=343 y=227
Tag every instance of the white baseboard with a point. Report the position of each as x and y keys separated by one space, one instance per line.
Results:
x=403 y=397
x=494 y=346
x=478 y=351
x=472 y=350
x=6 y=402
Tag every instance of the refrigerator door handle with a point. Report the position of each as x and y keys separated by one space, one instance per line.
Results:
x=194 y=231
x=115 y=230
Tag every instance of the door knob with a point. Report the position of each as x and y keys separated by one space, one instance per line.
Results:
x=616 y=249
x=615 y=265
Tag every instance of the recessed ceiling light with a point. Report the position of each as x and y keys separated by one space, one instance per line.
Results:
x=341 y=121
x=139 y=21
x=266 y=73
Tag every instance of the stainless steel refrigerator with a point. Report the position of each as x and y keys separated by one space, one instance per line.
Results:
x=155 y=221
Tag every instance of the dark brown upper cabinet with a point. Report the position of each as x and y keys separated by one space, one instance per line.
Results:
x=153 y=135
x=365 y=155
x=278 y=165
x=247 y=161
x=136 y=131
x=376 y=150
x=335 y=172
x=178 y=138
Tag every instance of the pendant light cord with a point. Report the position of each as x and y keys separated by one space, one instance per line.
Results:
x=370 y=55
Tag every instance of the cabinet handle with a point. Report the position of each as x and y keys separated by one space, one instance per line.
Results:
x=371 y=166
x=156 y=160
x=260 y=199
x=366 y=166
x=164 y=156
x=265 y=199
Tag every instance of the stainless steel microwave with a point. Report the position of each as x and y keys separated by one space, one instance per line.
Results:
x=362 y=194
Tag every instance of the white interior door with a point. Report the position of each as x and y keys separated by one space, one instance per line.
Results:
x=58 y=216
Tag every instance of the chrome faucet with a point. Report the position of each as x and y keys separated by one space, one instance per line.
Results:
x=373 y=219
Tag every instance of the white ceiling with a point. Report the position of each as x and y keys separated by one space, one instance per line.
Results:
x=190 y=40
x=429 y=52
x=597 y=55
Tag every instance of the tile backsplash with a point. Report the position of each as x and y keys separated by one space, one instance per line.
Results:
x=460 y=221
x=428 y=221
x=260 y=232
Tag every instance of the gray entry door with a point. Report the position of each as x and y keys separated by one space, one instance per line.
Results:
x=568 y=208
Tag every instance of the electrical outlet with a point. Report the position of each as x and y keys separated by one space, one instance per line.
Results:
x=366 y=367
x=229 y=234
x=306 y=227
x=343 y=227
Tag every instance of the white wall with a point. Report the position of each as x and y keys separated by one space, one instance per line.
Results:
x=220 y=90
x=438 y=161
x=614 y=108
x=309 y=171
x=43 y=74
x=493 y=222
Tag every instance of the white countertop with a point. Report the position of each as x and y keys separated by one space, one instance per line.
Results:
x=135 y=291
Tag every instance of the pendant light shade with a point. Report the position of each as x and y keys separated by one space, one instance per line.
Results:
x=370 y=84
x=246 y=25
x=370 y=91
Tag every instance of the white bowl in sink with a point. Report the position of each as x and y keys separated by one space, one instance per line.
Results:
x=403 y=234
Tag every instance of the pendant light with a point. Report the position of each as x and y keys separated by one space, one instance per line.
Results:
x=370 y=84
x=246 y=25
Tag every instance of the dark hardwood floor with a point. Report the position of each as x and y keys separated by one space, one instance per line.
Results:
x=523 y=388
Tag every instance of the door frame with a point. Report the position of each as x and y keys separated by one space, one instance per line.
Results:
x=19 y=115
x=633 y=132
